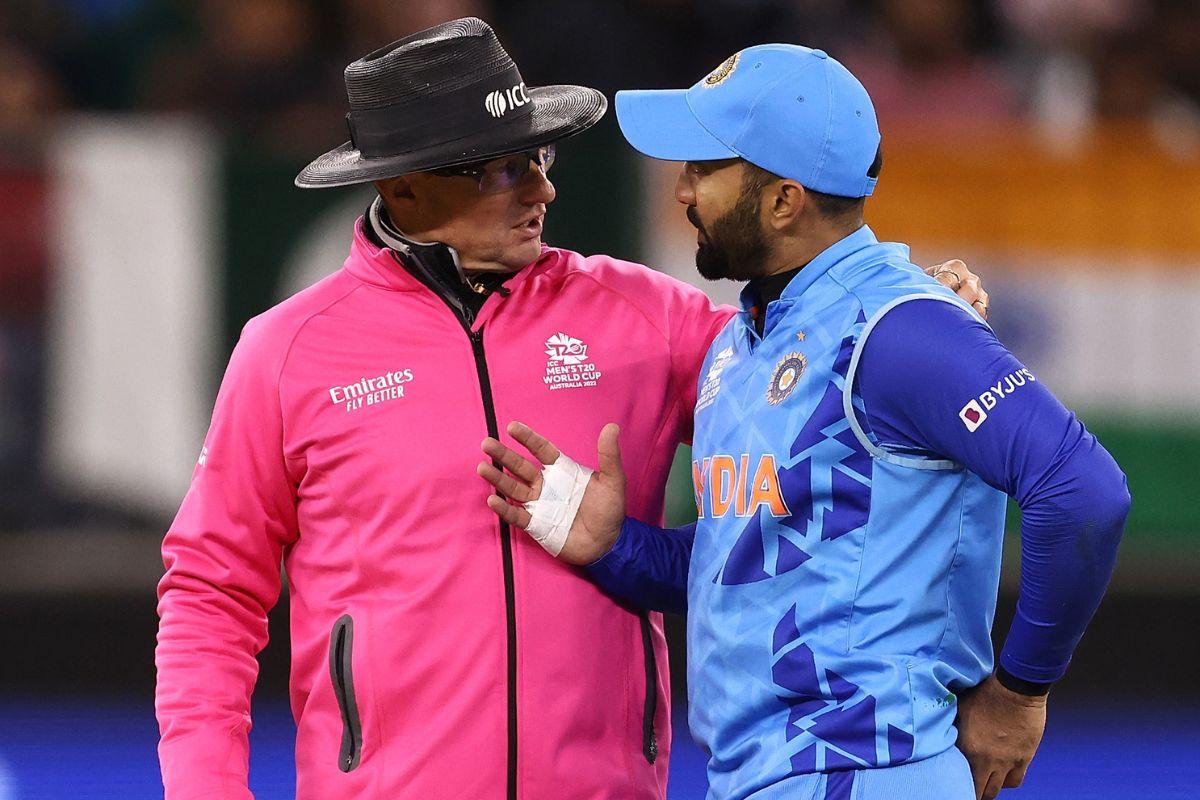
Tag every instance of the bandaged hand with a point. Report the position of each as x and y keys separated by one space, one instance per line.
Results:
x=573 y=512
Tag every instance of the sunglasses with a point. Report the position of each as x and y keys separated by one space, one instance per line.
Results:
x=501 y=174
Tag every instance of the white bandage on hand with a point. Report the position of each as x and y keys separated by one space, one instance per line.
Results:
x=552 y=514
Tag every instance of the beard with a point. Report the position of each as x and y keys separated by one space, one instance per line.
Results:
x=735 y=248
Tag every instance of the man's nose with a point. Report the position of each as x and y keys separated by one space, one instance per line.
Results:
x=684 y=191
x=535 y=187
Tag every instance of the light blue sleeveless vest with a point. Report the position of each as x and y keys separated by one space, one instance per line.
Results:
x=839 y=593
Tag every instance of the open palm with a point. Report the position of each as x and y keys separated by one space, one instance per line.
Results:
x=598 y=520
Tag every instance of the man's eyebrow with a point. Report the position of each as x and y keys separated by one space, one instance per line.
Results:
x=712 y=165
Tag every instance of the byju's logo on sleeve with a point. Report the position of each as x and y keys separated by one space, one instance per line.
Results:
x=972 y=415
x=975 y=412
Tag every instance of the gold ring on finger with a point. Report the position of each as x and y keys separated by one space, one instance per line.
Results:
x=957 y=277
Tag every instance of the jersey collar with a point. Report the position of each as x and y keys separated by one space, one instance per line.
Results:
x=809 y=274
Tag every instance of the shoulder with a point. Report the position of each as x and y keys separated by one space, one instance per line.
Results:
x=886 y=276
x=625 y=277
x=267 y=338
x=655 y=294
x=927 y=338
x=922 y=316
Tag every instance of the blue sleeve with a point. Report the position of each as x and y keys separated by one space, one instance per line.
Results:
x=935 y=379
x=647 y=566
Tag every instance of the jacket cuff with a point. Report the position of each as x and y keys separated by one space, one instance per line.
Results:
x=1019 y=685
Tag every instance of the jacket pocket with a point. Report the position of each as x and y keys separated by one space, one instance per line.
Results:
x=341 y=648
x=650 y=707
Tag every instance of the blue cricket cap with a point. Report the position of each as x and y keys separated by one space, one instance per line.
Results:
x=791 y=110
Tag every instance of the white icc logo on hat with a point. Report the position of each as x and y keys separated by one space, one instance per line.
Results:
x=499 y=102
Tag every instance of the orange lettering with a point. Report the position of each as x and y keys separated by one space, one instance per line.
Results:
x=766 y=488
x=722 y=484
x=740 y=491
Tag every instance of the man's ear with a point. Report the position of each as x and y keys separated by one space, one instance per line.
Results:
x=399 y=188
x=785 y=201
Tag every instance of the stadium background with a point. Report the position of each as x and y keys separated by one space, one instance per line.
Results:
x=147 y=149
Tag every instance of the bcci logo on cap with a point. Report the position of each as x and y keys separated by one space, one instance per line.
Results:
x=501 y=101
x=718 y=75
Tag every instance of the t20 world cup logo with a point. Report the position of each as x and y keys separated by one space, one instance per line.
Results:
x=565 y=349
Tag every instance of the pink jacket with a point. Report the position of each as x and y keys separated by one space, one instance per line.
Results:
x=435 y=653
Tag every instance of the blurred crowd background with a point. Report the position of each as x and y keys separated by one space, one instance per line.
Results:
x=269 y=69
x=147 y=149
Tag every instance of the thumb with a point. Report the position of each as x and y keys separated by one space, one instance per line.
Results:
x=609 y=450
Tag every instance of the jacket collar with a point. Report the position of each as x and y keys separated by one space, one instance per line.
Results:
x=380 y=266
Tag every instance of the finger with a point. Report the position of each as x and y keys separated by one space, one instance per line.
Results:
x=972 y=284
x=950 y=274
x=609 y=450
x=994 y=785
x=980 y=304
x=1016 y=776
x=953 y=264
x=980 y=772
x=506 y=484
x=949 y=279
x=968 y=291
x=537 y=444
x=512 y=461
x=513 y=515
x=953 y=268
x=972 y=292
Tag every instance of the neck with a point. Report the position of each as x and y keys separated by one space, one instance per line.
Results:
x=391 y=223
x=390 y=232
x=435 y=263
x=793 y=253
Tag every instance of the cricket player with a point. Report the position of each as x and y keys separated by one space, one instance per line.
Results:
x=857 y=430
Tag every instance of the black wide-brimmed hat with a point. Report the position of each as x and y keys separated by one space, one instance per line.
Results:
x=446 y=96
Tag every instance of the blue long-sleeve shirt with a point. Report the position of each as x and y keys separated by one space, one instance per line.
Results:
x=921 y=361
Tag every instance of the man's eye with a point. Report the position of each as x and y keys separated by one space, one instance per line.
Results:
x=510 y=169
